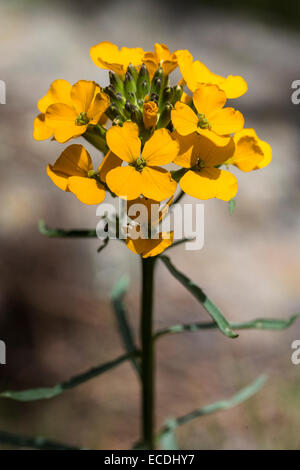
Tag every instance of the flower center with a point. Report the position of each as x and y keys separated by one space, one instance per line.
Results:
x=140 y=164
x=200 y=164
x=203 y=122
x=82 y=119
x=92 y=174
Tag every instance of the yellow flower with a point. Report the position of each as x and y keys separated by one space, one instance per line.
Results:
x=144 y=246
x=108 y=56
x=211 y=120
x=195 y=73
x=141 y=175
x=86 y=106
x=251 y=153
x=73 y=171
x=203 y=180
x=150 y=110
x=161 y=56
x=59 y=92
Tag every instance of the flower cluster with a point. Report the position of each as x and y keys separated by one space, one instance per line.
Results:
x=142 y=122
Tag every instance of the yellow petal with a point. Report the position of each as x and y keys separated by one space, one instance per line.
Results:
x=109 y=162
x=188 y=149
x=234 y=86
x=213 y=155
x=124 y=141
x=107 y=56
x=131 y=55
x=248 y=150
x=195 y=73
x=98 y=107
x=264 y=147
x=208 y=99
x=209 y=183
x=194 y=147
x=162 y=52
x=59 y=92
x=125 y=182
x=40 y=129
x=218 y=140
x=160 y=149
x=150 y=247
x=103 y=53
x=227 y=121
x=74 y=161
x=157 y=183
x=58 y=178
x=184 y=119
x=61 y=118
x=185 y=98
x=151 y=63
x=83 y=94
x=87 y=190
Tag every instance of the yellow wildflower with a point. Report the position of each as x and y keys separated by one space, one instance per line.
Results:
x=108 y=56
x=161 y=56
x=87 y=104
x=59 y=92
x=141 y=175
x=73 y=171
x=203 y=180
x=195 y=73
x=146 y=245
x=212 y=119
x=251 y=153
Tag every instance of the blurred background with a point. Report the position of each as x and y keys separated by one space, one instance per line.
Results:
x=55 y=311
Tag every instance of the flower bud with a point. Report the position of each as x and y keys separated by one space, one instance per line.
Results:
x=177 y=93
x=129 y=84
x=165 y=116
x=116 y=82
x=143 y=82
x=133 y=72
x=150 y=110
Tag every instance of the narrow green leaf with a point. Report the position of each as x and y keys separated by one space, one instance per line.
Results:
x=231 y=206
x=117 y=296
x=50 y=392
x=33 y=442
x=240 y=397
x=179 y=242
x=61 y=233
x=197 y=292
x=257 y=324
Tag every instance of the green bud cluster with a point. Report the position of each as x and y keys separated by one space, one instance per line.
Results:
x=128 y=95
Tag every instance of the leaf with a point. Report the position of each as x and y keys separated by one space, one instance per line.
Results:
x=197 y=292
x=179 y=242
x=243 y=395
x=33 y=442
x=61 y=233
x=117 y=296
x=257 y=324
x=50 y=392
x=231 y=206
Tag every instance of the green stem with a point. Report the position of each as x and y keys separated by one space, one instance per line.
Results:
x=147 y=354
